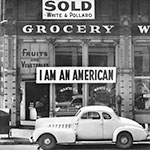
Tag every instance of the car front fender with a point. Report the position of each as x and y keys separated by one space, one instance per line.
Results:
x=61 y=135
x=137 y=133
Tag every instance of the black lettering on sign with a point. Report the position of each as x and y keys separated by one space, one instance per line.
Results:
x=49 y=75
x=64 y=75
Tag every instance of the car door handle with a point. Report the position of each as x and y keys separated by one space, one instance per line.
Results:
x=76 y=123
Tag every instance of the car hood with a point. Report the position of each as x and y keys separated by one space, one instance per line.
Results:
x=59 y=122
x=129 y=122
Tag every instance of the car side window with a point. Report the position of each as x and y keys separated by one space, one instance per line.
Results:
x=90 y=115
x=106 y=116
x=76 y=101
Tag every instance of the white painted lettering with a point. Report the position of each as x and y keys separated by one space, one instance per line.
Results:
x=144 y=29
x=68 y=29
x=108 y=28
x=94 y=29
x=81 y=28
x=41 y=29
x=27 y=29
x=91 y=29
x=54 y=28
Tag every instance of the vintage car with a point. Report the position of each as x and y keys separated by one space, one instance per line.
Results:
x=70 y=108
x=91 y=123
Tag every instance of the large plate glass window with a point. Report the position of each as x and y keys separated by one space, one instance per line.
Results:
x=142 y=77
x=102 y=93
x=68 y=96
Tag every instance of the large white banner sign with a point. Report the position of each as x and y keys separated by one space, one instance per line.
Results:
x=76 y=75
x=68 y=9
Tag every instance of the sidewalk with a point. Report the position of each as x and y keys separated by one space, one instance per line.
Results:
x=18 y=135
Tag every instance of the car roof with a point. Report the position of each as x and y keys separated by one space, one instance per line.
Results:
x=77 y=96
x=97 y=108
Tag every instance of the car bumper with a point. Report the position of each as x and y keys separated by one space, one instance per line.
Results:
x=148 y=136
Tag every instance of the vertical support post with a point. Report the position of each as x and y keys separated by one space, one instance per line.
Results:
x=10 y=78
x=85 y=60
x=52 y=86
x=1 y=71
x=74 y=63
x=125 y=69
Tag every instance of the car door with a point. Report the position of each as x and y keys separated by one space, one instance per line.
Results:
x=89 y=126
x=110 y=123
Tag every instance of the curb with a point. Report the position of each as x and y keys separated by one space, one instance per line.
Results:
x=13 y=141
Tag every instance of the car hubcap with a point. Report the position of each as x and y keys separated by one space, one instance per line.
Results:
x=124 y=140
x=47 y=141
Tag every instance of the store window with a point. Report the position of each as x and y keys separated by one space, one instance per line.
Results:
x=102 y=93
x=68 y=95
x=142 y=77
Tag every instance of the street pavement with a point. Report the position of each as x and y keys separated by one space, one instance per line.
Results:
x=75 y=147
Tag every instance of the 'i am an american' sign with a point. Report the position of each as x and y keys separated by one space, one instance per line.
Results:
x=76 y=75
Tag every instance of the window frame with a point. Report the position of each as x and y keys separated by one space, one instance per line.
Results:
x=107 y=114
x=90 y=117
x=140 y=76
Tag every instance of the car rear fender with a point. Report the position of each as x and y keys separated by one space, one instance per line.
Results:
x=119 y=130
x=61 y=135
x=133 y=130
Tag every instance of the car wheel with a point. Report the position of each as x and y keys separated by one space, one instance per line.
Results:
x=124 y=140
x=47 y=142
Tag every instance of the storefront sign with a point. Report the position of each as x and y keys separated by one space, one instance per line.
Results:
x=76 y=75
x=33 y=55
x=68 y=9
x=141 y=29
x=91 y=28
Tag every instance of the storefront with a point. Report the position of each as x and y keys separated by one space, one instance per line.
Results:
x=76 y=50
x=64 y=53
x=95 y=33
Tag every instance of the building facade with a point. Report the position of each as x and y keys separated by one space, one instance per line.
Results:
x=92 y=33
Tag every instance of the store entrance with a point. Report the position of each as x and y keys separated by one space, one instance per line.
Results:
x=35 y=93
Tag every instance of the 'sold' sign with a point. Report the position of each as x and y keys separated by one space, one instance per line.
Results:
x=69 y=9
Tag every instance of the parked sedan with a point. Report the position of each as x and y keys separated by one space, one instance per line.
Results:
x=69 y=108
x=91 y=123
